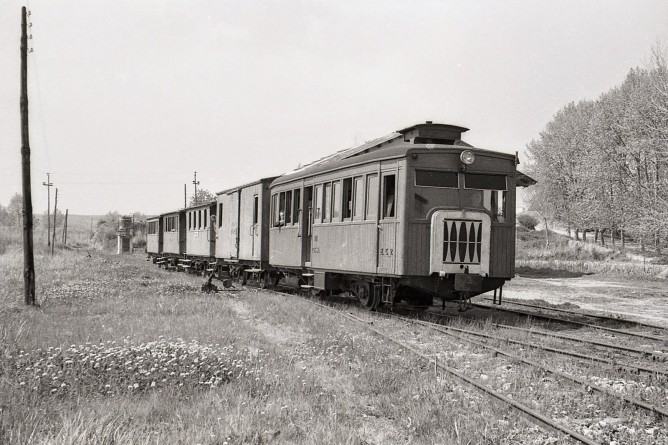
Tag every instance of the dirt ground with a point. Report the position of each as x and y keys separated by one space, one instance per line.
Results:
x=638 y=299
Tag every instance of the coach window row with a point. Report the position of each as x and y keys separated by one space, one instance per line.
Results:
x=198 y=219
x=355 y=199
x=286 y=207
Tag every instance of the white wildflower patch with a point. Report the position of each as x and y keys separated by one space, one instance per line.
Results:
x=127 y=367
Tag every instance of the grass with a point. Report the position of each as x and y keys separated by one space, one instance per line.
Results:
x=576 y=257
x=122 y=352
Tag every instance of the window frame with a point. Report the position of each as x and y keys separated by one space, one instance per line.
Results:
x=415 y=184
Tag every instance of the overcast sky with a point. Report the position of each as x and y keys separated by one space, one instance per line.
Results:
x=129 y=98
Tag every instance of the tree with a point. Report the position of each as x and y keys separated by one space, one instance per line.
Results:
x=4 y=216
x=203 y=196
x=15 y=210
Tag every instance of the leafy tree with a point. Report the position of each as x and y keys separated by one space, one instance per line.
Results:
x=203 y=196
x=15 y=210
x=4 y=216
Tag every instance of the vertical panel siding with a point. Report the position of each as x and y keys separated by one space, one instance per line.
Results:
x=502 y=260
x=416 y=253
x=286 y=247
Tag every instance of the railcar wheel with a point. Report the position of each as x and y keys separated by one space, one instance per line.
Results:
x=366 y=295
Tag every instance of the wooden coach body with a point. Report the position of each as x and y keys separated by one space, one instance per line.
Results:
x=200 y=230
x=174 y=233
x=154 y=236
x=242 y=233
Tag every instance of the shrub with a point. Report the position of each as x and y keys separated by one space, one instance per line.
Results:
x=527 y=220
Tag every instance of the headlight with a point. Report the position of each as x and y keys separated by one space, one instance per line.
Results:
x=467 y=157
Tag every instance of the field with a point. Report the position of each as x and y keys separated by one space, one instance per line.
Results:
x=120 y=351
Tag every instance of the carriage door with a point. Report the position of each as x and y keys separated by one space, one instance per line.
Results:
x=255 y=247
x=387 y=224
x=307 y=226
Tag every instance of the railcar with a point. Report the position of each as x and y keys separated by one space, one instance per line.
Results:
x=242 y=232
x=200 y=236
x=154 y=237
x=409 y=216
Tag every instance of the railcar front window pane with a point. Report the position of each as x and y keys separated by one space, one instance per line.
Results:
x=431 y=178
x=371 y=196
x=389 y=196
x=499 y=206
x=358 y=205
x=297 y=207
x=336 y=201
x=484 y=181
x=327 y=204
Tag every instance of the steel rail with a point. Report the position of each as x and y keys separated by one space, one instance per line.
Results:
x=627 y=399
x=585 y=314
x=619 y=365
x=536 y=416
x=654 y=355
x=562 y=320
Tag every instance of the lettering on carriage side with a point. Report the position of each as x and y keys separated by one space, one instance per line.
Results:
x=386 y=251
x=315 y=250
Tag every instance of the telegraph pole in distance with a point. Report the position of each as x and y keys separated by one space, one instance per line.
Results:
x=28 y=254
x=196 y=182
x=48 y=185
x=55 y=213
x=185 y=197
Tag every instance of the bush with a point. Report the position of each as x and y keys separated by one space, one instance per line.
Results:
x=527 y=220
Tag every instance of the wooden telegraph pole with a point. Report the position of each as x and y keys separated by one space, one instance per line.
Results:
x=196 y=182
x=48 y=185
x=28 y=254
x=55 y=215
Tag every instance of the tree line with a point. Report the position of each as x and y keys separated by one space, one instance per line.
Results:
x=602 y=165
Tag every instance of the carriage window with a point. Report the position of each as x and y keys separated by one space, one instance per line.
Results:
x=190 y=225
x=199 y=219
x=389 y=196
x=498 y=205
x=275 y=218
x=484 y=182
x=288 y=207
x=220 y=214
x=317 y=215
x=327 y=203
x=336 y=201
x=205 y=222
x=152 y=228
x=371 y=196
x=347 y=198
x=358 y=205
x=297 y=207
x=429 y=178
x=255 y=209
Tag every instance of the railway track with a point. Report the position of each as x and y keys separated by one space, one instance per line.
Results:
x=526 y=411
x=542 y=316
x=533 y=415
x=585 y=314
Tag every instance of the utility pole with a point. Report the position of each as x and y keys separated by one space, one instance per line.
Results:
x=28 y=254
x=55 y=212
x=196 y=182
x=65 y=228
x=48 y=185
x=185 y=197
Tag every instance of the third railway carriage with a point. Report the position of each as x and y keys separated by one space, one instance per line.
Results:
x=242 y=235
x=412 y=215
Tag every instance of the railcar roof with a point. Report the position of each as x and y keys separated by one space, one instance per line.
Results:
x=268 y=179
x=360 y=155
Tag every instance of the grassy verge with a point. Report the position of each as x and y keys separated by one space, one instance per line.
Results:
x=123 y=352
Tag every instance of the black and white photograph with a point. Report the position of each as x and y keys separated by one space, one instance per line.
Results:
x=229 y=222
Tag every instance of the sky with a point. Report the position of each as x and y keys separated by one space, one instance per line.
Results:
x=129 y=98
